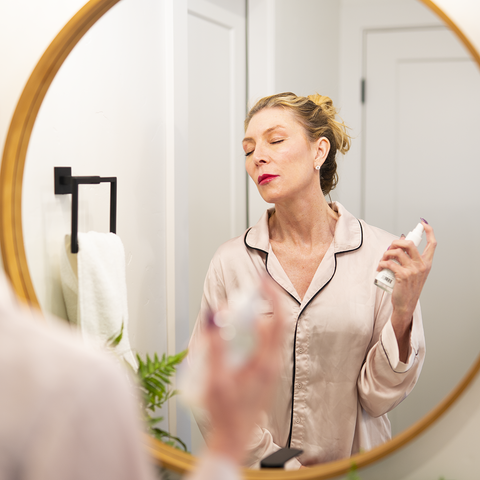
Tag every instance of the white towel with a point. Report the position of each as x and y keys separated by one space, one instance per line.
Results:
x=95 y=291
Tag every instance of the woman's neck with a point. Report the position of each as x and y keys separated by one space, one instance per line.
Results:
x=304 y=222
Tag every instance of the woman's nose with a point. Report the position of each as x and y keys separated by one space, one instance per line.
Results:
x=259 y=155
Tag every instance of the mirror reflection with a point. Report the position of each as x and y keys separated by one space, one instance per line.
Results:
x=355 y=350
x=405 y=137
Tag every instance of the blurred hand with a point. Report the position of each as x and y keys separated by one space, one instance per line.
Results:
x=235 y=397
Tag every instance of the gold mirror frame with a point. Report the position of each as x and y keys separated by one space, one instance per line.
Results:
x=15 y=262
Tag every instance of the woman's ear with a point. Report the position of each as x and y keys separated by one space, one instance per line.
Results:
x=322 y=147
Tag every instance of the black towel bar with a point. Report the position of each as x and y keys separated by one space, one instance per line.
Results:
x=66 y=184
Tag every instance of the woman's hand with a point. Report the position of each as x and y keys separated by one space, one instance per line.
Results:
x=235 y=397
x=411 y=272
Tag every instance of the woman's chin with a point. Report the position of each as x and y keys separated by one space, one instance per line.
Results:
x=269 y=194
x=269 y=198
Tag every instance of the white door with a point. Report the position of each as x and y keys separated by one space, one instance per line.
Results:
x=216 y=109
x=216 y=99
x=419 y=83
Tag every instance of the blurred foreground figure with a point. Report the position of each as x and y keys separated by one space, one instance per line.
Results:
x=67 y=413
x=236 y=396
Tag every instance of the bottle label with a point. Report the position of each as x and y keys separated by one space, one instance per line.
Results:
x=385 y=280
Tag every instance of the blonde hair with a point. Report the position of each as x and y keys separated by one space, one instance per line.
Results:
x=317 y=115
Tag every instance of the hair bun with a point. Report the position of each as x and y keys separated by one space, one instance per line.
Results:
x=321 y=100
x=339 y=129
x=325 y=103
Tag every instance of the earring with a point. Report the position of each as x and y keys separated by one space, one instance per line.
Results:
x=317 y=167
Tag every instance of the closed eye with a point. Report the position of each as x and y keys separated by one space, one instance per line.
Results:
x=248 y=153
x=277 y=141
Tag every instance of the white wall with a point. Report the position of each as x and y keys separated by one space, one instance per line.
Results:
x=217 y=87
x=112 y=77
x=450 y=447
x=307 y=46
x=465 y=14
x=354 y=19
x=117 y=107
x=216 y=91
x=23 y=40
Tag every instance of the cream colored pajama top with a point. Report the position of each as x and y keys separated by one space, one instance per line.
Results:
x=341 y=372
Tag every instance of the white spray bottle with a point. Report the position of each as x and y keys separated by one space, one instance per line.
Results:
x=237 y=327
x=386 y=278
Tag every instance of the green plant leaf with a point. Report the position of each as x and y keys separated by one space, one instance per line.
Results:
x=155 y=387
x=167 y=438
x=352 y=473
x=115 y=339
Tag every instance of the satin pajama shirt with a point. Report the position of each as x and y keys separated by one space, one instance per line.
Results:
x=341 y=372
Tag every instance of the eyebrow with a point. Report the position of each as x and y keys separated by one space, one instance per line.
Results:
x=268 y=130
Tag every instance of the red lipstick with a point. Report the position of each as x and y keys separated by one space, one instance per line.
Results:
x=265 y=178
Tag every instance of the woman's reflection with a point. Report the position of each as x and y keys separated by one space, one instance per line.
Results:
x=353 y=351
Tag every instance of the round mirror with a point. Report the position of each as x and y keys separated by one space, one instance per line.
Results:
x=29 y=194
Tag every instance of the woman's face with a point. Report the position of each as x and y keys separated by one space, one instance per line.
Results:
x=280 y=159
